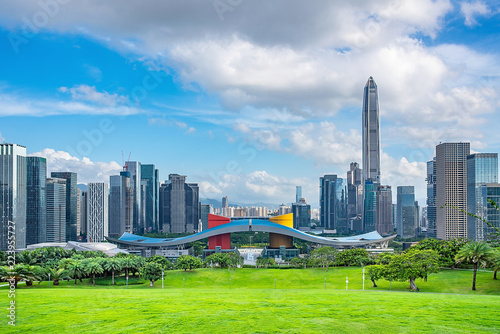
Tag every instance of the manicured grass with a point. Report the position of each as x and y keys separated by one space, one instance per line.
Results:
x=299 y=304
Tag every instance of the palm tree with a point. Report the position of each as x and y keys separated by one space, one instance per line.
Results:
x=127 y=264
x=57 y=274
x=76 y=269
x=113 y=265
x=495 y=264
x=92 y=267
x=477 y=253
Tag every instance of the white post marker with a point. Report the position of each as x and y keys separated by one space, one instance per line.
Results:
x=229 y=283
x=127 y=281
x=363 y=278
x=346 y=282
x=183 y=280
x=275 y=283
x=162 y=279
x=49 y=280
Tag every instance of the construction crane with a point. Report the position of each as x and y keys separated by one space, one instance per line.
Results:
x=125 y=163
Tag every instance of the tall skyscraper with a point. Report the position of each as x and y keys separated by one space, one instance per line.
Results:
x=12 y=194
x=384 y=223
x=179 y=205
x=151 y=197
x=298 y=193
x=71 y=202
x=482 y=169
x=36 y=200
x=490 y=191
x=451 y=190
x=431 y=198
x=56 y=210
x=301 y=214
x=406 y=215
x=97 y=212
x=370 y=206
x=371 y=132
x=134 y=167
x=121 y=205
x=354 y=190
x=83 y=214
x=333 y=203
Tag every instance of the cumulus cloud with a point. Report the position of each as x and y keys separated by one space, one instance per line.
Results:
x=87 y=170
x=471 y=10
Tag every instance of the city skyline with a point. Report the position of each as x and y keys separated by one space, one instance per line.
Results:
x=221 y=108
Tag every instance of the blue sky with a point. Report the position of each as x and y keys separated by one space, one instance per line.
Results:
x=247 y=98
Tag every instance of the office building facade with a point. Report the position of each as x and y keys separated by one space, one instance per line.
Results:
x=431 y=198
x=370 y=206
x=333 y=204
x=451 y=190
x=56 y=210
x=12 y=195
x=134 y=167
x=36 y=200
x=151 y=197
x=354 y=190
x=71 y=202
x=482 y=169
x=407 y=222
x=301 y=214
x=384 y=223
x=298 y=193
x=121 y=205
x=179 y=205
x=97 y=212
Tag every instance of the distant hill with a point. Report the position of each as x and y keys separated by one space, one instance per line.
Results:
x=218 y=204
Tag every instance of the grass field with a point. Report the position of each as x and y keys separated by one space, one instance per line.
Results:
x=209 y=303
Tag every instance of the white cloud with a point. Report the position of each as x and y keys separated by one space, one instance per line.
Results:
x=86 y=100
x=2 y=139
x=471 y=10
x=87 y=170
x=190 y=130
x=90 y=94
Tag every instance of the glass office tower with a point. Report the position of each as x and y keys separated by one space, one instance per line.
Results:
x=36 y=197
x=71 y=203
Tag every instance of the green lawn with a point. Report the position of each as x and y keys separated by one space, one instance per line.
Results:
x=299 y=304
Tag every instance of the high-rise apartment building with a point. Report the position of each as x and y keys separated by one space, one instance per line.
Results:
x=333 y=203
x=225 y=202
x=151 y=196
x=431 y=198
x=406 y=213
x=371 y=132
x=179 y=205
x=134 y=167
x=354 y=190
x=56 y=210
x=384 y=223
x=451 y=190
x=36 y=200
x=71 y=202
x=482 y=169
x=121 y=205
x=97 y=212
x=12 y=195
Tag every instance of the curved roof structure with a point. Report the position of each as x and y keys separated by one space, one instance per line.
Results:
x=254 y=225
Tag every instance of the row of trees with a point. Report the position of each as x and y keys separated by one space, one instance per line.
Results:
x=422 y=260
